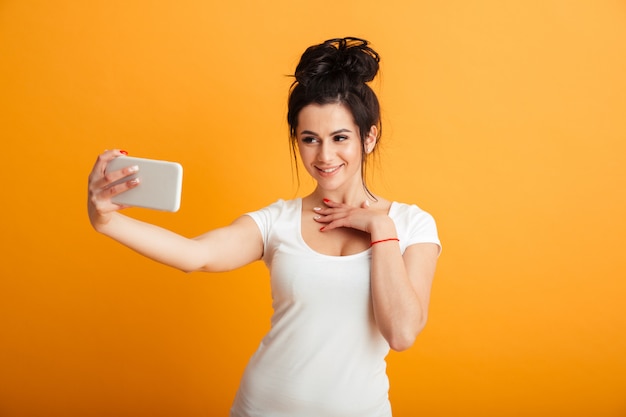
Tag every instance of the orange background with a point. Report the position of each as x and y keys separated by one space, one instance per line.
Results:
x=504 y=119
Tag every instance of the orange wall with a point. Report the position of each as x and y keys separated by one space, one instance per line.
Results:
x=506 y=120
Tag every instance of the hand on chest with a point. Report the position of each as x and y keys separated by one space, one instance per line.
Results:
x=336 y=242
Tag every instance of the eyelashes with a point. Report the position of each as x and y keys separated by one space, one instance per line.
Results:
x=311 y=139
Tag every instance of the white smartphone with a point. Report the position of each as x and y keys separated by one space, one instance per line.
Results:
x=160 y=185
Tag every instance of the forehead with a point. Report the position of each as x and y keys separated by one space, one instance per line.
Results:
x=321 y=117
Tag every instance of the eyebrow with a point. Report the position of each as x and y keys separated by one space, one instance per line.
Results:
x=309 y=132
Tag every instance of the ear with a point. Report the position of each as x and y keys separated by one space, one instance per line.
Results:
x=371 y=139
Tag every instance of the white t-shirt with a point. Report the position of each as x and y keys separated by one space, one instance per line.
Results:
x=324 y=355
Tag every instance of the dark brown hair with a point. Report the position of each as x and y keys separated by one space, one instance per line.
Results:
x=337 y=71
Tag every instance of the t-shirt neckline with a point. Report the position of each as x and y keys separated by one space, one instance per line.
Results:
x=366 y=252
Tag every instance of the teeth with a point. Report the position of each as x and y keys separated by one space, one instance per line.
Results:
x=329 y=170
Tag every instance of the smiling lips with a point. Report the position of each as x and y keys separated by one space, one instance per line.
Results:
x=328 y=171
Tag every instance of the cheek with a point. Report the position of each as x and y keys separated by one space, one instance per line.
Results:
x=304 y=154
x=353 y=154
x=307 y=158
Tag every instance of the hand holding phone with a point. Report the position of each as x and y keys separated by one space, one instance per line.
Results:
x=160 y=183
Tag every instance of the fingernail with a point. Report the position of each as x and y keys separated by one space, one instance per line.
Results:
x=317 y=208
x=317 y=217
x=322 y=228
x=123 y=152
x=134 y=168
x=326 y=200
x=134 y=181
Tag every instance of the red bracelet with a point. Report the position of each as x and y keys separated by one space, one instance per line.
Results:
x=384 y=240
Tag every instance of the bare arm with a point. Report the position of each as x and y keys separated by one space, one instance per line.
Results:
x=401 y=286
x=219 y=250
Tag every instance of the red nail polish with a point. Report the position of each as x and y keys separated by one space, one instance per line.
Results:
x=322 y=228
x=326 y=200
x=123 y=152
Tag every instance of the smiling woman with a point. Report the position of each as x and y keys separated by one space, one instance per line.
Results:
x=351 y=271
x=330 y=146
x=338 y=72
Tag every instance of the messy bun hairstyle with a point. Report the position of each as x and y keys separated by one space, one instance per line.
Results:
x=337 y=71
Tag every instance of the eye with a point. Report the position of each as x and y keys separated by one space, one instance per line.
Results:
x=308 y=139
x=340 y=138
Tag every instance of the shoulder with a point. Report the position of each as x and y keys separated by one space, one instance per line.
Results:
x=409 y=212
x=413 y=223
x=269 y=215
x=277 y=207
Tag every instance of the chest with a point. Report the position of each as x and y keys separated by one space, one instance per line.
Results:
x=330 y=284
x=335 y=242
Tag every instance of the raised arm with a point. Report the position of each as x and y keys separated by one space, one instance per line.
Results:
x=219 y=250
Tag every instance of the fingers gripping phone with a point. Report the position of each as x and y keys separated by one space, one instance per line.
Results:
x=160 y=183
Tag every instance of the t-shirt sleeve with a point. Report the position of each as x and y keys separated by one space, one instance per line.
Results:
x=420 y=227
x=265 y=218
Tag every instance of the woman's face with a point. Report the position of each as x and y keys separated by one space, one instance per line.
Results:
x=330 y=146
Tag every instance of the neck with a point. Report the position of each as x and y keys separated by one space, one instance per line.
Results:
x=354 y=197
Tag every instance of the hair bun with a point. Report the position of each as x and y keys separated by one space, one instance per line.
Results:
x=349 y=59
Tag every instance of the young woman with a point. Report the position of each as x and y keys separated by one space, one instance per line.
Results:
x=351 y=271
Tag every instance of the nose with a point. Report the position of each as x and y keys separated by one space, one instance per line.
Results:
x=325 y=152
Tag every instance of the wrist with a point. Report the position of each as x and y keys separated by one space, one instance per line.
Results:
x=383 y=228
x=100 y=221
x=390 y=239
